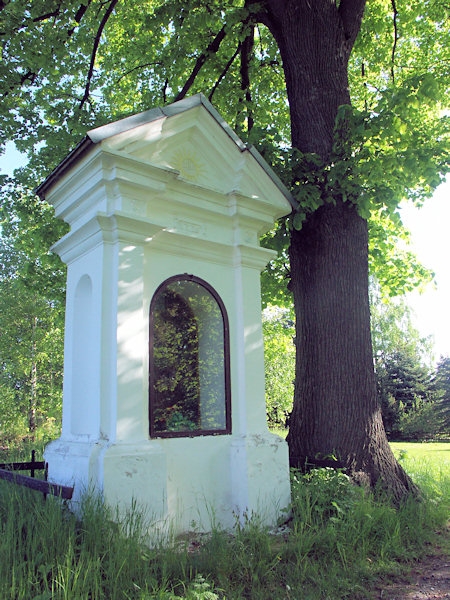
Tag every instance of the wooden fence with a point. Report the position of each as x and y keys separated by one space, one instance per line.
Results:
x=8 y=471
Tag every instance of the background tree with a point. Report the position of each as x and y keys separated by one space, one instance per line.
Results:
x=287 y=66
x=393 y=331
x=407 y=390
x=411 y=396
x=442 y=383
x=279 y=354
x=31 y=318
x=408 y=386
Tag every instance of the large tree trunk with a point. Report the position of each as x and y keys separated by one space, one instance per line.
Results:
x=336 y=419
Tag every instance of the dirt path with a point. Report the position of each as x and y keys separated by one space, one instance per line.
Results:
x=429 y=579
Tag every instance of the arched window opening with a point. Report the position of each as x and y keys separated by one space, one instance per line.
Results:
x=189 y=388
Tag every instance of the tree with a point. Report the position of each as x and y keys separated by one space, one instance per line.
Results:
x=400 y=357
x=408 y=381
x=31 y=318
x=31 y=362
x=442 y=382
x=335 y=406
x=406 y=388
x=276 y=69
x=393 y=331
x=412 y=398
x=279 y=355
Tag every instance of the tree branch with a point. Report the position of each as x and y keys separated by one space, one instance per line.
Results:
x=32 y=75
x=97 y=38
x=266 y=14
x=224 y=72
x=211 y=49
x=28 y=76
x=246 y=54
x=151 y=64
x=55 y=13
x=79 y=15
x=164 y=90
x=394 y=47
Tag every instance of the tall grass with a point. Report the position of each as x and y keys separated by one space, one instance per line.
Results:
x=338 y=541
x=21 y=451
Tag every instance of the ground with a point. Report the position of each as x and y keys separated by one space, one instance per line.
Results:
x=428 y=579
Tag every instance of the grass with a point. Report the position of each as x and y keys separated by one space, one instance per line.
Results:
x=338 y=543
x=21 y=449
x=434 y=451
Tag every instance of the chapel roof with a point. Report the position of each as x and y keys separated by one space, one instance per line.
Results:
x=99 y=134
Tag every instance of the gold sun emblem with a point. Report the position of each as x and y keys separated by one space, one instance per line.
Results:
x=188 y=164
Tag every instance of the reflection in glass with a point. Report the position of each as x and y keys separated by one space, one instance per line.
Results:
x=188 y=369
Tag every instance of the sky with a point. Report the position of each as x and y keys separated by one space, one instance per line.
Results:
x=430 y=241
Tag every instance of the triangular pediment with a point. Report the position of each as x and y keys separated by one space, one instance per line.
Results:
x=196 y=146
x=191 y=139
x=191 y=143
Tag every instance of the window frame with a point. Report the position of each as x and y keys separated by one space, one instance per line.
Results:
x=226 y=351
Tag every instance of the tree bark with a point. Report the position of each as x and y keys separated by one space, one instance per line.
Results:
x=336 y=420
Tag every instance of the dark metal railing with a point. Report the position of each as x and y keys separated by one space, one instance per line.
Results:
x=7 y=472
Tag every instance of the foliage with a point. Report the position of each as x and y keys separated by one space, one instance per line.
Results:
x=442 y=383
x=31 y=362
x=31 y=317
x=420 y=424
x=408 y=397
x=393 y=331
x=75 y=62
x=276 y=276
x=279 y=354
x=413 y=399
x=69 y=68
x=339 y=543
x=409 y=382
x=387 y=143
x=391 y=262
x=408 y=390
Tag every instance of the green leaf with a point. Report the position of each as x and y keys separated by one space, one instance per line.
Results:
x=299 y=219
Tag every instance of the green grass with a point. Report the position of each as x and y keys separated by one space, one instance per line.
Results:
x=434 y=451
x=21 y=450
x=337 y=545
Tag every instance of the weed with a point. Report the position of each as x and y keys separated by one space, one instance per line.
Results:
x=340 y=540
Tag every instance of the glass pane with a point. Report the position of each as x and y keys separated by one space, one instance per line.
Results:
x=188 y=371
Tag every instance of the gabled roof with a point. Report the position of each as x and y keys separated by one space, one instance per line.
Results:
x=96 y=136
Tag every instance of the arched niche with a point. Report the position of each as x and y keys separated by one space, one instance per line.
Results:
x=83 y=406
x=189 y=372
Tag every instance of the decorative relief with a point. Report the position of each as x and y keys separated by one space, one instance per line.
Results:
x=188 y=227
x=188 y=164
